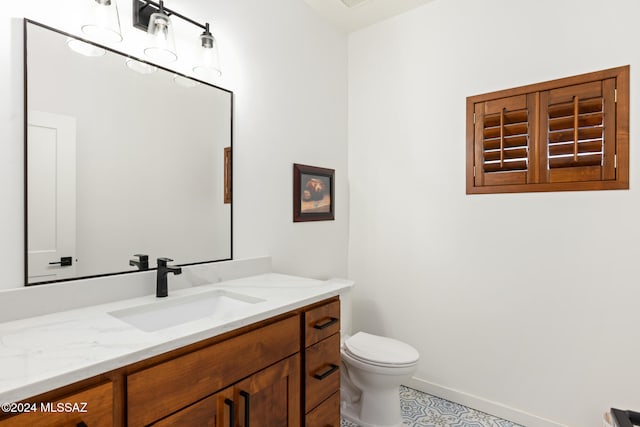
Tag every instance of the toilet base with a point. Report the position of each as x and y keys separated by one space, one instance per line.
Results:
x=351 y=411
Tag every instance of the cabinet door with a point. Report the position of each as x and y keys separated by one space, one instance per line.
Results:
x=271 y=397
x=89 y=408
x=217 y=410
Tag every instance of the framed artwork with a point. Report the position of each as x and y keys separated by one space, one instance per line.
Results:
x=313 y=193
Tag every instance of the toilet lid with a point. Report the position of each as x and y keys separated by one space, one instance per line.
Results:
x=380 y=350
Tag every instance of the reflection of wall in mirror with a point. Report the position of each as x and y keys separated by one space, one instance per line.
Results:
x=150 y=156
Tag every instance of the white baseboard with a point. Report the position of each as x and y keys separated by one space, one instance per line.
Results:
x=494 y=408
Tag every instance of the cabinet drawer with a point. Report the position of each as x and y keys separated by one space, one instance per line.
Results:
x=93 y=407
x=321 y=322
x=327 y=414
x=158 y=391
x=322 y=371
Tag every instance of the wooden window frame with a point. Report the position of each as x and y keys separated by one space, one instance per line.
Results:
x=537 y=166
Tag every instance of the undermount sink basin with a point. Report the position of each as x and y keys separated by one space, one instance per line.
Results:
x=216 y=305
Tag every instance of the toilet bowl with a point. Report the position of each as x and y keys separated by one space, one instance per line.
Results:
x=373 y=368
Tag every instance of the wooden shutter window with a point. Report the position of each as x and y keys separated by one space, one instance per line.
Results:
x=576 y=132
x=567 y=134
x=503 y=128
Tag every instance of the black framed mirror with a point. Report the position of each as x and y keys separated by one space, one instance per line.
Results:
x=122 y=157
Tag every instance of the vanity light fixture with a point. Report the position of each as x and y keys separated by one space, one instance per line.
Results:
x=155 y=19
x=102 y=21
x=209 y=67
x=162 y=45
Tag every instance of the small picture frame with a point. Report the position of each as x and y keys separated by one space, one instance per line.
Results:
x=313 y=193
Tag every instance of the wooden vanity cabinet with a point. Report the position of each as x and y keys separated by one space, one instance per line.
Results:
x=322 y=365
x=281 y=372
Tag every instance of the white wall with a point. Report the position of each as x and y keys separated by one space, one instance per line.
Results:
x=287 y=69
x=506 y=316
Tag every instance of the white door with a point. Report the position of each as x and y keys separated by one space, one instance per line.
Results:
x=51 y=196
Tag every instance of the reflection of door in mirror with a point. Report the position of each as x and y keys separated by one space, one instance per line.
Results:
x=51 y=156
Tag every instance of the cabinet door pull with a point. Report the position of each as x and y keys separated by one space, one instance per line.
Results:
x=82 y=424
x=325 y=325
x=324 y=375
x=232 y=412
x=247 y=407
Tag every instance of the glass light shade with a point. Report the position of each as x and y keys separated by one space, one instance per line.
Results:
x=103 y=21
x=162 y=45
x=209 y=61
x=184 y=81
x=84 y=48
x=140 y=67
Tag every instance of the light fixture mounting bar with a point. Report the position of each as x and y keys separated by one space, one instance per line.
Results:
x=142 y=10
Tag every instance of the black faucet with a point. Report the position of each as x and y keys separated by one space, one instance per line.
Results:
x=163 y=270
x=142 y=263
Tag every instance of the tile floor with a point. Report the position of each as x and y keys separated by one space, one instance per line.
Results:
x=423 y=410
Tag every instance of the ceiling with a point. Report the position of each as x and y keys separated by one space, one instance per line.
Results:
x=351 y=15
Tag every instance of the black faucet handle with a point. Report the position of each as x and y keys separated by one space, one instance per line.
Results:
x=143 y=257
x=162 y=262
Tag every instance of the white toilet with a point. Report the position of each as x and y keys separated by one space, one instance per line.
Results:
x=373 y=368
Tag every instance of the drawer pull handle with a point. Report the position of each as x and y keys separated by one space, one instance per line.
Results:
x=324 y=375
x=247 y=407
x=232 y=412
x=82 y=424
x=325 y=325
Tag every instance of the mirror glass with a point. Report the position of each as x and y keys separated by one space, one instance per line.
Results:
x=120 y=162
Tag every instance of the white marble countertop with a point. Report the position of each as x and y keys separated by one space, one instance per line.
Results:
x=42 y=353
